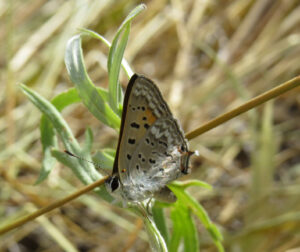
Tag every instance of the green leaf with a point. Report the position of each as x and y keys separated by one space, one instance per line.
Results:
x=192 y=182
x=156 y=241
x=115 y=57
x=48 y=137
x=53 y=115
x=190 y=238
x=105 y=158
x=160 y=221
x=187 y=200
x=84 y=170
x=87 y=148
x=93 y=100
x=126 y=67
x=183 y=228
x=177 y=231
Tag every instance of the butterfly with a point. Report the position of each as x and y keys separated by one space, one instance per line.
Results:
x=152 y=150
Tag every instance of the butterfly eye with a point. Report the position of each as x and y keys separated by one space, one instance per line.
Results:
x=114 y=184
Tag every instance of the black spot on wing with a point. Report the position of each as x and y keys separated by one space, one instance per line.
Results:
x=128 y=156
x=152 y=161
x=135 y=125
x=146 y=125
x=131 y=140
x=163 y=143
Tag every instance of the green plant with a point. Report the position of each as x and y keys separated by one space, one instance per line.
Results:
x=106 y=105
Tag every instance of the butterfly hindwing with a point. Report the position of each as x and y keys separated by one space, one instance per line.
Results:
x=162 y=143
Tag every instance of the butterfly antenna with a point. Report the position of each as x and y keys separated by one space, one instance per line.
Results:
x=81 y=158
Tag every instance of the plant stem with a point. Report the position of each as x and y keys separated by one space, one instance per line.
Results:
x=274 y=92
x=52 y=206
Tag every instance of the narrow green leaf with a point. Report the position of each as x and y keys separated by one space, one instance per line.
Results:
x=156 y=241
x=95 y=103
x=84 y=170
x=128 y=19
x=87 y=148
x=160 y=221
x=53 y=115
x=190 y=238
x=177 y=234
x=192 y=182
x=48 y=137
x=197 y=209
x=105 y=158
x=115 y=57
x=125 y=65
x=183 y=228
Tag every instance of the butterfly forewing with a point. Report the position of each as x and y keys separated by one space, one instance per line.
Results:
x=143 y=106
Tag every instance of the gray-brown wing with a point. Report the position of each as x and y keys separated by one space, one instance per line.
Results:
x=157 y=158
x=143 y=106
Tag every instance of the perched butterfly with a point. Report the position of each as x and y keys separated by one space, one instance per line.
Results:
x=152 y=150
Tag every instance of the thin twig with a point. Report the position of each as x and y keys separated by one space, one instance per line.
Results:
x=52 y=206
x=274 y=92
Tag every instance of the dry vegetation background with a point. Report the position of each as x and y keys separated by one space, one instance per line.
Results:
x=207 y=57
